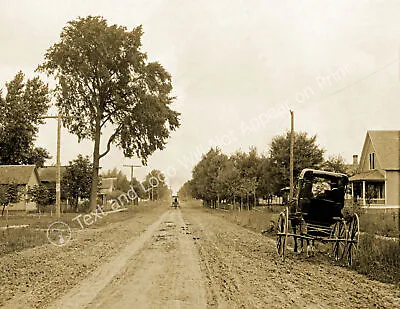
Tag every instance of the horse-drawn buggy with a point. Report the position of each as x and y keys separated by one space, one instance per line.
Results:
x=175 y=202
x=315 y=213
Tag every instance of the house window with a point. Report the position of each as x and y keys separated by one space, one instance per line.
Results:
x=372 y=161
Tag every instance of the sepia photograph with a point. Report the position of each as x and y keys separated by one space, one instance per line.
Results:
x=172 y=154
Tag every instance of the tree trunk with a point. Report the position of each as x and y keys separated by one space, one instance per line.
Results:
x=96 y=159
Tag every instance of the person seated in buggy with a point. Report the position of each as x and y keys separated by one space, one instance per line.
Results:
x=175 y=202
x=318 y=203
x=321 y=196
x=315 y=214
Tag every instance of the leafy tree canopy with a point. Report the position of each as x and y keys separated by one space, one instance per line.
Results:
x=42 y=196
x=307 y=154
x=336 y=164
x=219 y=177
x=77 y=179
x=105 y=79
x=21 y=113
x=155 y=185
x=9 y=194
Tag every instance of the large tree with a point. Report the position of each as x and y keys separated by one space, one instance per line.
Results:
x=265 y=188
x=21 y=113
x=104 y=79
x=209 y=179
x=307 y=154
x=248 y=167
x=185 y=192
x=77 y=180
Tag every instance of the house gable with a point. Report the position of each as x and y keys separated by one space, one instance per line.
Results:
x=34 y=179
x=385 y=145
x=368 y=148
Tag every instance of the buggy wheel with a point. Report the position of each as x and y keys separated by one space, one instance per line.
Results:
x=282 y=230
x=338 y=235
x=353 y=238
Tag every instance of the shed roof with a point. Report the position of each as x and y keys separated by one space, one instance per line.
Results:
x=48 y=173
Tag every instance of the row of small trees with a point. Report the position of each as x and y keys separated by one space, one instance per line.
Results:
x=243 y=177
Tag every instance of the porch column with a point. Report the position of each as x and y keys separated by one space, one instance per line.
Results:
x=352 y=191
x=385 y=192
x=363 y=193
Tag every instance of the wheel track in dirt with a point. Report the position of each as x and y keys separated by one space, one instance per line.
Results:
x=227 y=297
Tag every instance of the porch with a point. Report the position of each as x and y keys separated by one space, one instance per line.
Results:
x=369 y=188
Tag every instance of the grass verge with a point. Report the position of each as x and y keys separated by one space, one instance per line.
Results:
x=17 y=239
x=378 y=259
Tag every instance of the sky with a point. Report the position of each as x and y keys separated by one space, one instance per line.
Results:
x=237 y=69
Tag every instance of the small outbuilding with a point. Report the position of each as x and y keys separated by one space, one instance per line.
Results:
x=25 y=176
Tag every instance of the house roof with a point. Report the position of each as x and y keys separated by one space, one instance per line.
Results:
x=368 y=175
x=387 y=148
x=48 y=173
x=17 y=174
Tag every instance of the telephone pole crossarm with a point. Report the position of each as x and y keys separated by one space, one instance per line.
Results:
x=132 y=167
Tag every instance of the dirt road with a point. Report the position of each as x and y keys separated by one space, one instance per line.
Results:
x=159 y=269
x=193 y=258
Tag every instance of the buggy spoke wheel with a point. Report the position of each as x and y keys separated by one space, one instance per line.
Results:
x=338 y=234
x=353 y=238
x=282 y=229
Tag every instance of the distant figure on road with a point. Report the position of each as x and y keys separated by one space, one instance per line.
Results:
x=175 y=202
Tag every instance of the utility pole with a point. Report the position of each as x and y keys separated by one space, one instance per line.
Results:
x=291 y=154
x=58 y=164
x=132 y=166
x=58 y=172
x=135 y=202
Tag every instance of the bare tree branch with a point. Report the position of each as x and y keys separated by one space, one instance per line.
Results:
x=110 y=140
